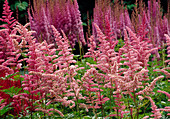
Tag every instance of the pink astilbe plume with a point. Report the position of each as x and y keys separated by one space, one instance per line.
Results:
x=7 y=51
x=142 y=46
x=50 y=75
x=77 y=23
x=106 y=17
x=66 y=71
x=22 y=40
x=104 y=55
x=63 y=15
x=135 y=52
x=156 y=113
x=108 y=62
x=165 y=70
x=102 y=11
x=7 y=18
x=167 y=108
x=143 y=28
x=41 y=25
x=66 y=57
x=92 y=81
x=8 y=64
x=39 y=68
x=152 y=20
x=135 y=55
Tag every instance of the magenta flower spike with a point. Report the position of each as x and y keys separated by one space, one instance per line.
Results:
x=64 y=15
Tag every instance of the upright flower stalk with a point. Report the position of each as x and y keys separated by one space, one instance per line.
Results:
x=63 y=15
x=165 y=71
x=50 y=75
x=125 y=72
x=150 y=18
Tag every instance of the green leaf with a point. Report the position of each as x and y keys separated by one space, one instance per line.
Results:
x=5 y=109
x=12 y=91
x=86 y=117
x=9 y=76
x=21 y=5
x=10 y=116
x=84 y=24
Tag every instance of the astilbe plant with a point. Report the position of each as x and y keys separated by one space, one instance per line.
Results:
x=7 y=17
x=64 y=86
x=17 y=47
x=136 y=54
x=25 y=42
x=124 y=72
x=35 y=60
x=150 y=18
x=9 y=67
x=6 y=47
x=93 y=82
x=107 y=62
x=49 y=75
x=106 y=17
x=8 y=57
x=32 y=56
x=63 y=14
x=155 y=23
x=5 y=41
x=165 y=71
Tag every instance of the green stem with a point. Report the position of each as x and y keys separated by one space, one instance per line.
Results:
x=136 y=106
x=78 y=110
x=101 y=104
x=129 y=107
x=94 y=110
x=110 y=100
x=117 y=114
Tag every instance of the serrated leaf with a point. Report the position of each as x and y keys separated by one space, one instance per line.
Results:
x=12 y=91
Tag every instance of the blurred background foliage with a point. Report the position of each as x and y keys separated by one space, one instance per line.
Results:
x=19 y=7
